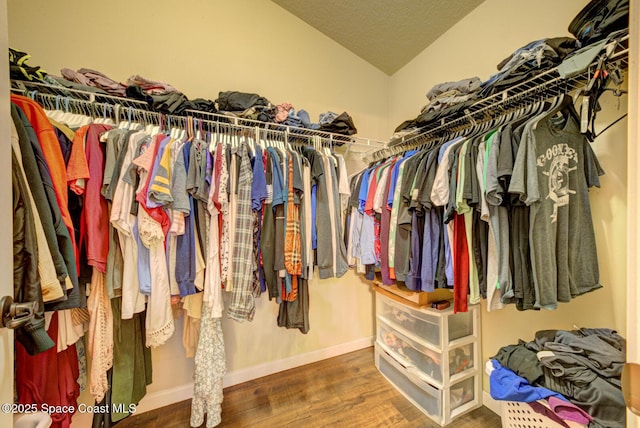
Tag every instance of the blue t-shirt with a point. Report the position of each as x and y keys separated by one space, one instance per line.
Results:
x=364 y=189
x=279 y=188
x=259 y=185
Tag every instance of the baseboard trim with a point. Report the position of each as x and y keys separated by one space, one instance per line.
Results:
x=239 y=376
x=158 y=399
x=491 y=404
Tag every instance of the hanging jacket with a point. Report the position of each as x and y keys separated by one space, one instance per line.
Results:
x=43 y=138
x=26 y=281
x=54 y=229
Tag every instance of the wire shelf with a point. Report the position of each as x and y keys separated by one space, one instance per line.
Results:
x=295 y=132
x=543 y=86
x=101 y=104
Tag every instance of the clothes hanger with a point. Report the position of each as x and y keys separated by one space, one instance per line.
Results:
x=140 y=116
x=55 y=111
x=198 y=123
x=159 y=124
x=264 y=140
x=104 y=117
x=486 y=127
x=170 y=128
x=155 y=125
x=270 y=139
x=183 y=131
x=66 y=115
x=558 y=103
x=475 y=128
x=189 y=131
x=176 y=131
x=131 y=119
x=124 y=124
x=212 y=137
x=81 y=113
x=136 y=124
x=514 y=115
x=225 y=138
x=97 y=117
x=182 y=134
x=148 y=124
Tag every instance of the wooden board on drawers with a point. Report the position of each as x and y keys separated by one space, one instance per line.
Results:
x=416 y=299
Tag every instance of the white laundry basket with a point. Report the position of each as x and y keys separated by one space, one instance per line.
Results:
x=520 y=415
x=32 y=420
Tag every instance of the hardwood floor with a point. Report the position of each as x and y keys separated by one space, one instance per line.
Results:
x=344 y=391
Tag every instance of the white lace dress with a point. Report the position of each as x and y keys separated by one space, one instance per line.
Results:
x=210 y=367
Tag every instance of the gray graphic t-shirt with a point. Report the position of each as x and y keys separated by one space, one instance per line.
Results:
x=554 y=168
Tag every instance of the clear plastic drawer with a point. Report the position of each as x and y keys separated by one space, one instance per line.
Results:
x=420 y=393
x=462 y=393
x=423 y=325
x=409 y=352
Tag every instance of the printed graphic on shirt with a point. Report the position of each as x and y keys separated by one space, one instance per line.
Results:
x=561 y=160
x=269 y=199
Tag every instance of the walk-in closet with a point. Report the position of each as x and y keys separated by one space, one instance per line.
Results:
x=319 y=213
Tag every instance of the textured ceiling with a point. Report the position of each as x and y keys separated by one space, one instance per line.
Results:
x=386 y=33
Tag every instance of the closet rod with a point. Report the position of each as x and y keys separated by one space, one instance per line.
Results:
x=79 y=94
x=215 y=126
x=337 y=139
x=540 y=87
x=292 y=132
x=94 y=108
x=119 y=113
x=29 y=87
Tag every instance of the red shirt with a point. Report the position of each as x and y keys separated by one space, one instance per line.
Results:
x=94 y=220
x=460 y=265
x=49 y=378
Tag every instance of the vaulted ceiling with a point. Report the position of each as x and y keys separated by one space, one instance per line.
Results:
x=386 y=33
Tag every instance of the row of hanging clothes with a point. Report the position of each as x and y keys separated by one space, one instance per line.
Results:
x=498 y=210
x=149 y=217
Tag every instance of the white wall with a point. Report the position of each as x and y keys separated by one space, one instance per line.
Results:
x=474 y=47
x=203 y=47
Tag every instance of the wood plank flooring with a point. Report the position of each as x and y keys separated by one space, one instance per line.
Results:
x=344 y=391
